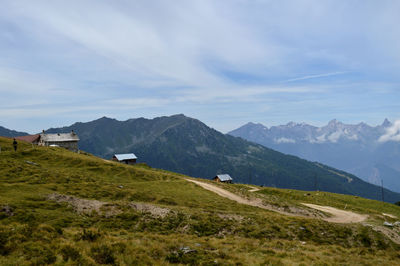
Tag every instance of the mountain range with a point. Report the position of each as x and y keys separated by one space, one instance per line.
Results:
x=5 y=132
x=186 y=145
x=358 y=149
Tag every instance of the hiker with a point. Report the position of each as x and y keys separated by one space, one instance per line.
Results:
x=15 y=144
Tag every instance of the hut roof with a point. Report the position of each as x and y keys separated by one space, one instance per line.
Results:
x=126 y=156
x=224 y=177
x=59 y=137
x=29 y=138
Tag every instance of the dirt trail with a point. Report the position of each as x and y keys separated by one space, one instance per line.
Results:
x=253 y=189
x=229 y=195
x=226 y=194
x=338 y=216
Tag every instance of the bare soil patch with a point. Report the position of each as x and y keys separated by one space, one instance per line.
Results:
x=85 y=206
x=152 y=209
x=392 y=233
x=231 y=217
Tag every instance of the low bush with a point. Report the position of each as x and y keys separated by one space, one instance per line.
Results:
x=4 y=234
x=102 y=254
x=88 y=235
x=38 y=253
x=70 y=253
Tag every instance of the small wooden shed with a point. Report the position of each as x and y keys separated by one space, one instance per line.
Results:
x=225 y=178
x=127 y=158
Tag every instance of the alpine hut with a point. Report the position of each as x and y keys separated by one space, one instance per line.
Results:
x=65 y=140
x=225 y=178
x=128 y=158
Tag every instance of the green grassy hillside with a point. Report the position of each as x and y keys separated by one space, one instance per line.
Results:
x=58 y=207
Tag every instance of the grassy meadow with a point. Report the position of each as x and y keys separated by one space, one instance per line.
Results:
x=63 y=208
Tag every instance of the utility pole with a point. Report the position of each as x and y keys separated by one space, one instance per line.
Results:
x=383 y=197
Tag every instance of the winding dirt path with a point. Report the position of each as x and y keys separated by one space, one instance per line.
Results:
x=232 y=196
x=253 y=189
x=338 y=216
x=226 y=194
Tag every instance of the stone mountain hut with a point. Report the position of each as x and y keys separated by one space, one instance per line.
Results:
x=65 y=140
x=128 y=158
x=225 y=178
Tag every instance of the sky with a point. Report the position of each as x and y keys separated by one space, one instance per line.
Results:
x=225 y=62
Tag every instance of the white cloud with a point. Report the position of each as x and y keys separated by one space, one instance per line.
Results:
x=319 y=139
x=392 y=133
x=316 y=76
x=201 y=53
x=284 y=140
x=23 y=82
x=352 y=137
x=335 y=136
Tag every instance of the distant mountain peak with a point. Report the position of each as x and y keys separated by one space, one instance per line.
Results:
x=251 y=124
x=291 y=124
x=334 y=122
x=386 y=123
x=179 y=115
x=105 y=118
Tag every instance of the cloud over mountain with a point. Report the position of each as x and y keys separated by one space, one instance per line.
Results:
x=285 y=60
x=392 y=133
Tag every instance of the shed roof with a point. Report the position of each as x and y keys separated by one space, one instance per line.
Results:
x=29 y=138
x=126 y=156
x=225 y=177
x=59 y=137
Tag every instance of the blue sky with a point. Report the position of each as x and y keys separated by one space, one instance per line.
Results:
x=224 y=62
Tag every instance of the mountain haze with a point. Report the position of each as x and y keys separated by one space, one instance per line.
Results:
x=352 y=148
x=186 y=145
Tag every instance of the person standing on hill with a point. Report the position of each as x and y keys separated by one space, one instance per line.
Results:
x=15 y=144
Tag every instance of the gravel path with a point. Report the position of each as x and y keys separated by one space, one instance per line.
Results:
x=338 y=216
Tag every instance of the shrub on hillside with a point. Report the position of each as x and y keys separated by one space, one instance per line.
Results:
x=88 y=235
x=102 y=254
x=69 y=252
x=38 y=254
x=4 y=234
